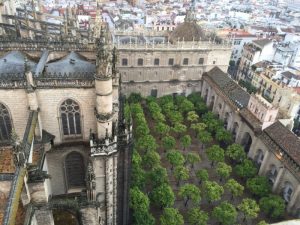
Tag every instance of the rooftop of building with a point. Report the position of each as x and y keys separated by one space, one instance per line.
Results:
x=229 y=87
x=70 y=64
x=14 y=62
x=285 y=139
x=187 y=31
x=262 y=42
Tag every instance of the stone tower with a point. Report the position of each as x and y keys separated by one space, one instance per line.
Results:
x=102 y=173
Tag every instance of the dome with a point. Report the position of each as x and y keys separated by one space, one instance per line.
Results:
x=187 y=31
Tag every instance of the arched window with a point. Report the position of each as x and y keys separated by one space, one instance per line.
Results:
x=272 y=173
x=74 y=170
x=70 y=117
x=5 y=123
x=287 y=191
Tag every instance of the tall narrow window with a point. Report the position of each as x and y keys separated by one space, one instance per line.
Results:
x=70 y=117
x=74 y=170
x=156 y=61
x=171 y=62
x=5 y=123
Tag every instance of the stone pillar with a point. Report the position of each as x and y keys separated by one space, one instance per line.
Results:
x=279 y=177
x=263 y=166
x=294 y=199
x=89 y=216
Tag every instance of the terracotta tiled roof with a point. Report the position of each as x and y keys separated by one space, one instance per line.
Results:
x=6 y=160
x=231 y=89
x=285 y=139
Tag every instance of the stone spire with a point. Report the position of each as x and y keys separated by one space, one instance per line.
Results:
x=103 y=66
x=104 y=87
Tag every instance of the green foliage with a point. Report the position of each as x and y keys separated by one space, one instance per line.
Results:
x=225 y=213
x=157 y=176
x=223 y=136
x=192 y=116
x=250 y=88
x=202 y=175
x=136 y=108
x=146 y=143
x=249 y=207
x=165 y=100
x=246 y=169
x=127 y=113
x=259 y=186
x=139 y=202
x=195 y=98
x=151 y=159
x=137 y=173
x=215 y=154
x=179 y=128
x=186 y=141
x=273 y=205
x=171 y=216
x=197 y=217
x=135 y=98
x=181 y=173
x=141 y=130
x=223 y=170
x=163 y=196
x=198 y=127
x=213 y=124
x=162 y=128
x=143 y=218
x=235 y=188
x=262 y=222
x=236 y=152
x=213 y=191
x=175 y=158
x=205 y=137
x=168 y=142
x=190 y=192
x=186 y=106
x=201 y=108
x=192 y=158
x=175 y=117
x=155 y=111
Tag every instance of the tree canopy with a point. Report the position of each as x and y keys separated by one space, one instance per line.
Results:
x=163 y=196
x=215 y=154
x=190 y=192
x=223 y=170
x=236 y=152
x=225 y=213
x=246 y=169
x=249 y=207
x=175 y=158
x=213 y=191
x=192 y=158
x=171 y=216
x=235 y=188
x=168 y=142
x=185 y=141
x=259 y=186
x=181 y=173
x=273 y=205
x=197 y=217
x=202 y=175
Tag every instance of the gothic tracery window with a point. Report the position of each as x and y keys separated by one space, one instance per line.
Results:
x=70 y=118
x=5 y=123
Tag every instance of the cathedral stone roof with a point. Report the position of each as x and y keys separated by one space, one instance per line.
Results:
x=14 y=63
x=187 y=31
x=285 y=139
x=231 y=89
x=71 y=64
